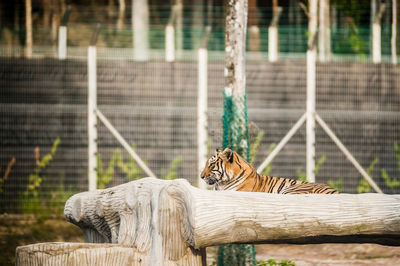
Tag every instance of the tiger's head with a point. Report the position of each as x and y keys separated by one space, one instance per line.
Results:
x=222 y=167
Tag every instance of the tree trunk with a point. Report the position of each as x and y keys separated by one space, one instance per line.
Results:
x=254 y=30
x=55 y=21
x=235 y=118
x=235 y=71
x=46 y=13
x=121 y=14
x=156 y=222
x=28 y=24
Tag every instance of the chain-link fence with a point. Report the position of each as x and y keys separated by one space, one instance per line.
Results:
x=43 y=111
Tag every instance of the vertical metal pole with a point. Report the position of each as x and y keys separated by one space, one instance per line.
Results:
x=272 y=43
x=169 y=43
x=310 y=125
x=179 y=28
x=324 y=39
x=202 y=112
x=373 y=15
x=62 y=42
x=376 y=42
x=140 y=23
x=62 y=35
x=376 y=35
x=311 y=84
x=273 y=38
x=394 y=31
x=92 y=119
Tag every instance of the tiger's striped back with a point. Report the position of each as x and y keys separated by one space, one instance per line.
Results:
x=227 y=170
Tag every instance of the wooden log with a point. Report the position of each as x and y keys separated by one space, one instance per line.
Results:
x=78 y=254
x=163 y=222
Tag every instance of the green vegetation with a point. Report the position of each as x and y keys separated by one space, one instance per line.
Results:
x=268 y=168
x=394 y=182
x=364 y=186
x=272 y=262
x=255 y=145
x=301 y=175
x=38 y=199
x=6 y=173
x=391 y=182
x=129 y=168
x=35 y=178
x=338 y=185
x=173 y=168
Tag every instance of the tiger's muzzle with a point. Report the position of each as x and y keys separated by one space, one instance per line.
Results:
x=210 y=180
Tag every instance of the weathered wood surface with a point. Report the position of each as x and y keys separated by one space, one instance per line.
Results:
x=168 y=222
x=77 y=254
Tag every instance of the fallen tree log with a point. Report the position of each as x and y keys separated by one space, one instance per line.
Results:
x=171 y=221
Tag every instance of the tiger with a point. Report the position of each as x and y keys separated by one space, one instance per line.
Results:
x=227 y=170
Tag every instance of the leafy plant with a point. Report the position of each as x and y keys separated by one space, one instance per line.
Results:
x=132 y=171
x=338 y=185
x=58 y=197
x=268 y=168
x=394 y=182
x=38 y=200
x=7 y=172
x=35 y=179
x=364 y=186
x=273 y=262
x=173 y=168
x=255 y=146
x=129 y=168
x=302 y=176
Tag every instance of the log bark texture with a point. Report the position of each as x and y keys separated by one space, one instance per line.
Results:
x=77 y=254
x=162 y=222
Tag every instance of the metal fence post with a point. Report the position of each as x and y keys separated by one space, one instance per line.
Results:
x=62 y=36
x=311 y=84
x=140 y=25
x=376 y=35
x=394 y=32
x=92 y=118
x=273 y=37
x=169 y=43
x=202 y=80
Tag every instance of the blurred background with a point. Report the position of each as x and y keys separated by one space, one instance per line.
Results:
x=151 y=98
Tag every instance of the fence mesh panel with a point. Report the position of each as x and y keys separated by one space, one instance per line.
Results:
x=153 y=104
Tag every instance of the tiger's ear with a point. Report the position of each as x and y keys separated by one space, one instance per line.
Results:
x=218 y=150
x=228 y=154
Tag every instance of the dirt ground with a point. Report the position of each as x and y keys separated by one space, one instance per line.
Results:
x=17 y=231
x=331 y=254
